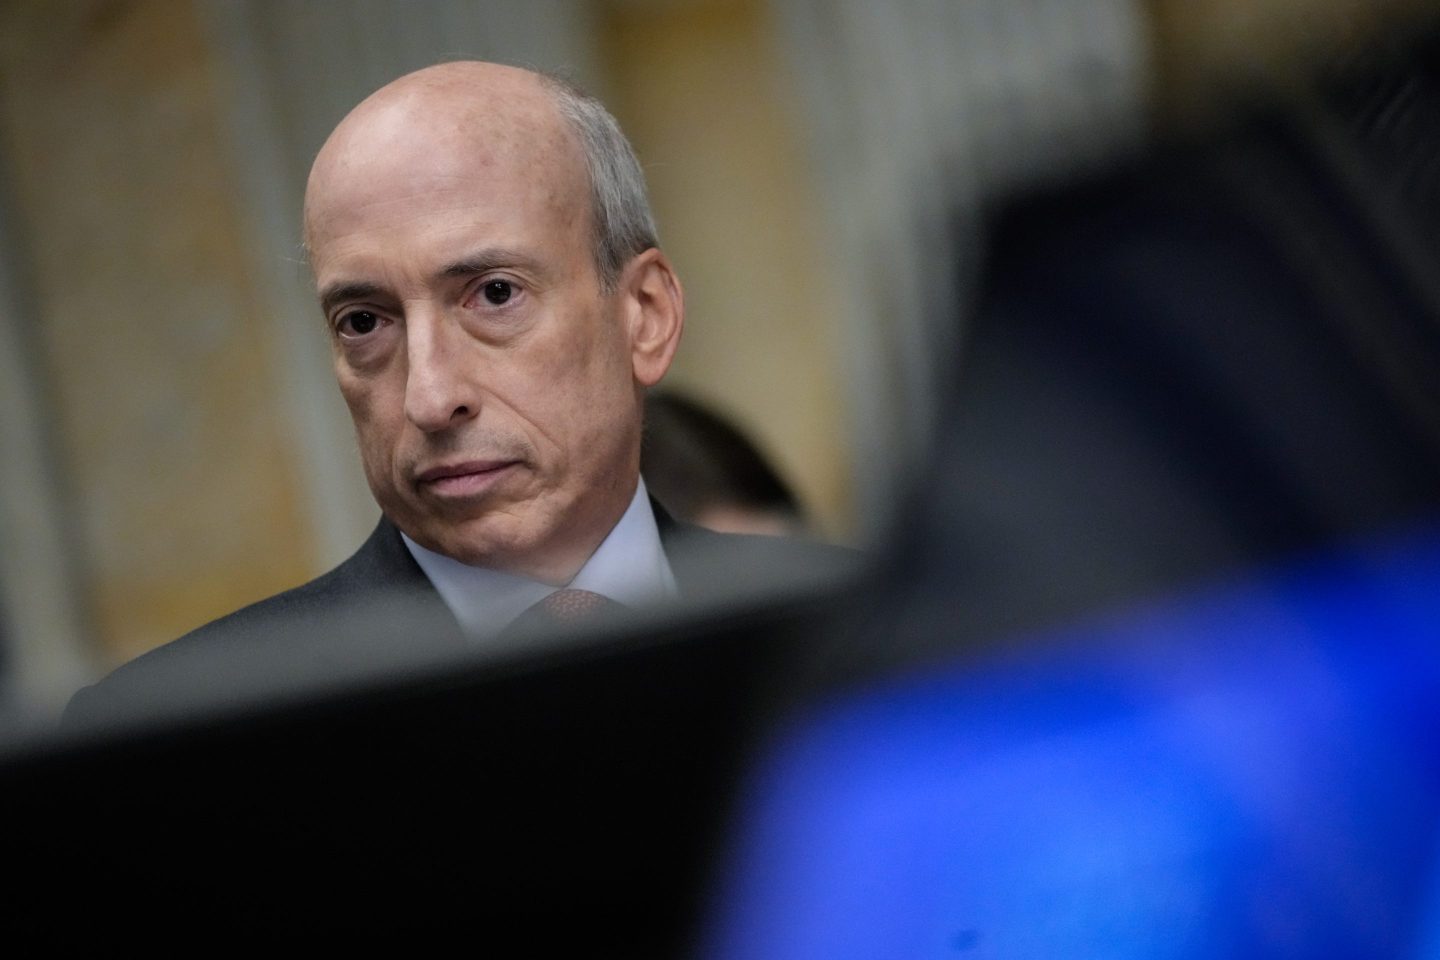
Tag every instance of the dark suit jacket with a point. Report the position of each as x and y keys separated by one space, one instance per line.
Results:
x=377 y=613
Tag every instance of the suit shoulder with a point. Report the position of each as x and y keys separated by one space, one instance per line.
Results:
x=381 y=568
x=379 y=565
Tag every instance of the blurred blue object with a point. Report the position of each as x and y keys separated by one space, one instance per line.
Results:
x=1248 y=771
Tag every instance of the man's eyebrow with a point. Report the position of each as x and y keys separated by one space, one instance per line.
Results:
x=343 y=290
x=483 y=261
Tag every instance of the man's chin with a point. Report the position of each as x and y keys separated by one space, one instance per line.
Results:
x=495 y=541
x=472 y=543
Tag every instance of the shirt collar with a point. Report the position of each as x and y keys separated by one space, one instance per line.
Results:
x=629 y=567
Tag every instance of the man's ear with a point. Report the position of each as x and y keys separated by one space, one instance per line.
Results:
x=655 y=312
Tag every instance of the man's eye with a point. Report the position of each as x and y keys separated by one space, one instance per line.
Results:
x=498 y=292
x=358 y=323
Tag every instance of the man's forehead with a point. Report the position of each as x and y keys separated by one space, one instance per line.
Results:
x=429 y=209
x=428 y=139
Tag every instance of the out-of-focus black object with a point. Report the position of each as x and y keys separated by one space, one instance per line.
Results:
x=1191 y=476
x=1224 y=353
x=561 y=801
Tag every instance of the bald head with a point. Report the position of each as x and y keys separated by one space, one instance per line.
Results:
x=460 y=114
x=453 y=120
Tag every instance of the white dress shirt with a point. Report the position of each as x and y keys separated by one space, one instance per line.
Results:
x=629 y=567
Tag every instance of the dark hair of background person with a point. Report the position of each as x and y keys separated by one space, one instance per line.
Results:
x=705 y=471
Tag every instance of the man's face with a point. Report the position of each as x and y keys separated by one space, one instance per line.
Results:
x=489 y=376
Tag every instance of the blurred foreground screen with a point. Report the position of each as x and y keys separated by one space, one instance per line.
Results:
x=1250 y=770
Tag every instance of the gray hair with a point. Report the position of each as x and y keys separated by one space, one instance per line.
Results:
x=620 y=209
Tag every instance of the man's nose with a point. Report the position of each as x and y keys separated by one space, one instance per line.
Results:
x=439 y=389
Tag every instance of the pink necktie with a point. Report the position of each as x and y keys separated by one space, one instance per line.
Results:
x=566 y=607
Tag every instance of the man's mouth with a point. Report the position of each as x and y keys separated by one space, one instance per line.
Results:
x=465 y=479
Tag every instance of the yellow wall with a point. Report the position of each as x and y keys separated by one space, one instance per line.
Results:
x=155 y=356
x=699 y=88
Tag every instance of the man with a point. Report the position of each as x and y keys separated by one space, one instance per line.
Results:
x=486 y=264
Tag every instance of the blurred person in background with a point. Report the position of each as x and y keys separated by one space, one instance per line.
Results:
x=707 y=472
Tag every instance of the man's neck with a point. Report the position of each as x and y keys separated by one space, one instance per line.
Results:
x=628 y=566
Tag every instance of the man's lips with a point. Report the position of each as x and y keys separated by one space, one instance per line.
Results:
x=462 y=479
